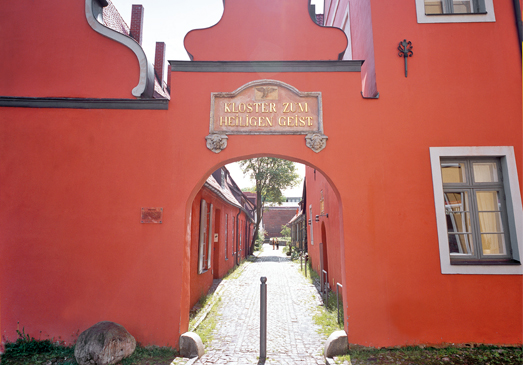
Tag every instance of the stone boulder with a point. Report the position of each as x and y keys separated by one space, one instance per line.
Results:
x=191 y=345
x=104 y=343
x=337 y=344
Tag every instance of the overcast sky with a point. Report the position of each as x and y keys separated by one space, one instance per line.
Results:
x=169 y=21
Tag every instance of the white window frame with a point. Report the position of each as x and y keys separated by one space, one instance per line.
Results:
x=513 y=206
x=455 y=18
x=311 y=220
x=205 y=233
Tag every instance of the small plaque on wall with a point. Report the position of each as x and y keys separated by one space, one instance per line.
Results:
x=152 y=215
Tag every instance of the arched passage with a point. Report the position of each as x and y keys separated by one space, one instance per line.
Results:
x=190 y=275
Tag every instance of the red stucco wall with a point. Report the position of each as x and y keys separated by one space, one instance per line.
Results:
x=53 y=52
x=333 y=237
x=72 y=182
x=200 y=283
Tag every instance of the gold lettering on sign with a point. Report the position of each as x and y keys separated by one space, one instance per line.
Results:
x=266 y=108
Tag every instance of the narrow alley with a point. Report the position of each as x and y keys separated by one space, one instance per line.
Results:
x=292 y=336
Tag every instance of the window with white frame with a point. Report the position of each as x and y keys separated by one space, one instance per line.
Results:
x=478 y=210
x=455 y=11
x=226 y=236
x=205 y=239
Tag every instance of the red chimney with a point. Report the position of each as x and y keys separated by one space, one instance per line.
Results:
x=159 y=60
x=137 y=23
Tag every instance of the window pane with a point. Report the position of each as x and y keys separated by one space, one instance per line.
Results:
x=461 y=243
x=490 y=223
x=458 y=222
x=462 y=6
x=453 y=172
x=493 y=244
x=433 y=7
x=456 y=202
x=488 y=201
x=485 y=171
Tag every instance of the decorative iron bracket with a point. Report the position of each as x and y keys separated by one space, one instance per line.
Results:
x=405 y=51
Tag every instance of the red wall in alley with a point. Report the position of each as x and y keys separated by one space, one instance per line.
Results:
x=316 y=184
x=200 y=283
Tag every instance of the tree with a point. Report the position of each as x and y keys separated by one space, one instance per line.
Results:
x=272 y=175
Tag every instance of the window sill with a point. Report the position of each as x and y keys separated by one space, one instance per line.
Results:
x=455 y=14
x=485 y=262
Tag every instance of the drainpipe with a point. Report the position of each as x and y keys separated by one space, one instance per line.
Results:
x=237 y=237
x=519 y=24
x=246 y=236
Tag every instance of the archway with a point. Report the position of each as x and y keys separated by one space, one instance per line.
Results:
x=231 y=234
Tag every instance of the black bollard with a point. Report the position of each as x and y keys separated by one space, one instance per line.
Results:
x=263 y=318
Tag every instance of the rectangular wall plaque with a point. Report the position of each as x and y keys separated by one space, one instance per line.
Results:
x=266 y=107
x=152 y=215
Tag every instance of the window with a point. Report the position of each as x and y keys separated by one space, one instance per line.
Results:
x=454 y=6
x=205 y=241
x=310 y=223
x=455 y=11
x=226 y=234
x=233 y=236
x=478 y=210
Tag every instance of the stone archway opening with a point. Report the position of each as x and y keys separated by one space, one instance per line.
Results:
x=232 y=242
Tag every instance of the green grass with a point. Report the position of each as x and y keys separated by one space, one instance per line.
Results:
x=481 y=355
x=151 y=355
x=207 y=326
x=27 y=350
x=326 y=316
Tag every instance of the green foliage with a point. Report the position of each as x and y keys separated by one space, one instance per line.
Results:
x=28 y=350
x=258 y=245
x=285 y=231
x=271 y=175
x=206 y=327
x=249 y=189
x=451 y=355
x=326 y=317
x=150 y=355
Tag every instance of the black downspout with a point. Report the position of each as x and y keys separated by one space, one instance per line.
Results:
x=246 y=240
x=237 y=237
x=519 y=24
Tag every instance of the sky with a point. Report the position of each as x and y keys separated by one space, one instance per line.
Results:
x=169 y=21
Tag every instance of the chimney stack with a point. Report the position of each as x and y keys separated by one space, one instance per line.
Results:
x=137 y=23
x=159 y=61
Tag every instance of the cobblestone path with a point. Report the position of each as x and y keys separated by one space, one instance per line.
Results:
x=292 y=336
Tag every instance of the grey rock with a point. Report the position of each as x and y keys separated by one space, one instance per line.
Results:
x=337 y=344
x=103 y=344
x=191 y=345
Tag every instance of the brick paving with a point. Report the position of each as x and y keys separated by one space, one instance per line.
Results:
x=292 y=336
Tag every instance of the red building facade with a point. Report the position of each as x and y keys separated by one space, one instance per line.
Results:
x=222 y=235
x=87 y=142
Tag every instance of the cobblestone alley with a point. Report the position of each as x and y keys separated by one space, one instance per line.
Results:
x=292 y=337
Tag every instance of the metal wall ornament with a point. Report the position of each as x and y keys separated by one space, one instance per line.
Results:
x=405 y=51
